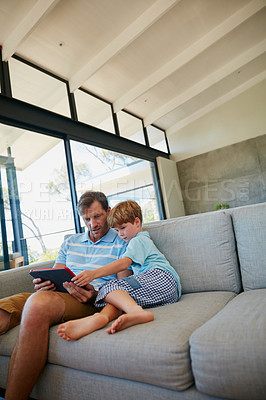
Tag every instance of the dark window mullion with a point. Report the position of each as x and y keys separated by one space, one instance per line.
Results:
x=72 y=185
x=5 y=77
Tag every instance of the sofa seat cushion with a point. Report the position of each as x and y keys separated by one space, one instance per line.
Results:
x=229 y=352
x=202 y=250
x=250 y=230
x=60 y=383
x=155 y=353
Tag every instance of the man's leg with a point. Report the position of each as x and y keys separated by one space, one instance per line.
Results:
x=73 y=330
x=134 y=313
x=42 y=310
x=11 y=310
x=4 y=320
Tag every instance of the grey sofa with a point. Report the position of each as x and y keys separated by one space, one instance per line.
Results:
x=209 y=345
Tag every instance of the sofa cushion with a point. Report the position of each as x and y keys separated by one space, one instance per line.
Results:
x=155 y=353
x=228 y=352
x=18 y=280
x=202 y=250
x=60 y=383
x=250 y=230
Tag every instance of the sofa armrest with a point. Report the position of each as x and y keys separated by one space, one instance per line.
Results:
x=18 y=280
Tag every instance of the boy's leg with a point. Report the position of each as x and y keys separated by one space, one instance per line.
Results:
x=43 y=309
x=73 y=330
x=11 y=310
x=134 y=313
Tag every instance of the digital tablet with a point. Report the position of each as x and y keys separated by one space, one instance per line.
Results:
x=56 y=275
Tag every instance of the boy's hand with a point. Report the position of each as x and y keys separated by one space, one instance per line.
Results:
x=83 y=278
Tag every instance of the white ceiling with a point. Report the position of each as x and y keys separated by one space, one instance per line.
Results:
x=178 y=64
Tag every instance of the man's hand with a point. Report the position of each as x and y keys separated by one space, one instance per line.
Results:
x=40 y=285
x=81 y=294
x=46 y=285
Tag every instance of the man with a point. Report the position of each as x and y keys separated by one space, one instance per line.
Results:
x=46 y=307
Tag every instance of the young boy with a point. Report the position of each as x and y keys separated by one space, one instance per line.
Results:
x=154 y=282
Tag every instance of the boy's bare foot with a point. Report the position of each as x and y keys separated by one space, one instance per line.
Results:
x=73 y=330
x=127 y=320
x=4 y=320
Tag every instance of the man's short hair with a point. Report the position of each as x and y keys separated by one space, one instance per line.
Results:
x=124 y=212
x=87 y=198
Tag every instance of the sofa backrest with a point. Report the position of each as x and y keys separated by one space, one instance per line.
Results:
x=250 y=232
x=202 y=250
x=18 y=280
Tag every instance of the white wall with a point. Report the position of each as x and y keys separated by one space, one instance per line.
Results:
x=171 y=191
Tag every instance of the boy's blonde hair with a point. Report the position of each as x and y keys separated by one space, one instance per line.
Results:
x=124 y=212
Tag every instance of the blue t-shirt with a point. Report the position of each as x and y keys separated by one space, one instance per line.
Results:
x=145 y=255
x=79 y=253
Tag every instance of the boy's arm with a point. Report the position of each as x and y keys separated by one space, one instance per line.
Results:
x=114 y=267
x=124 y=274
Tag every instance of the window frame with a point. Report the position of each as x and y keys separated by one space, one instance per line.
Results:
x=27 y=116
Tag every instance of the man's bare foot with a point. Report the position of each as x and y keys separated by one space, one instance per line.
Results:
x=73 y=330
x=4 y=320
x=127 y=320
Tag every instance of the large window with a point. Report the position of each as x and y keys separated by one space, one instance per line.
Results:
x=156 y=138
x=38 y=88
x=130 y=127
x=93 y=111
x=43 y=189
x=119 y=176
x=43 y=173
x=39 y=181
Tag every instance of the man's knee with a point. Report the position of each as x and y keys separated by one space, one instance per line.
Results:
x=43 y=306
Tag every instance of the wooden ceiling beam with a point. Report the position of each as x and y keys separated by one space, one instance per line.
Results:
x=189 y=53
x=26 y=25
x=216 y=103
x=135 y=29
x=207 y=82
